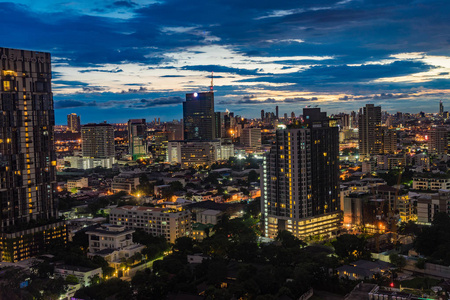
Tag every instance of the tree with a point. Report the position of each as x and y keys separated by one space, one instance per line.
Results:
x=42 y=269
x=253 y=176
x=288 y=240
x=397 y=260
x=351 y=247
x=184 y=245
x=72 y=279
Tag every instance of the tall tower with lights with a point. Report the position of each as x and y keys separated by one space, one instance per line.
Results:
x=27 y=155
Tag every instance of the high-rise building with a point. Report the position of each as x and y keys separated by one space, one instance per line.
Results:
x=97 y=140
x=437 y=140
x=251 y=137
x=27 y=155
x=441 y=108
x=137 y=138
x=199 y=117
x=369 y=121
x=73 y=123
x=262 y=114
x=300 y=179
x=276 y=112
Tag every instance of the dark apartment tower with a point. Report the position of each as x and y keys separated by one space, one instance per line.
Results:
x=199 y=117
x=276 y=112
x=219 y=123
x=137 y=138
x=73 y=123
x=437 y=140
x=369 y=122
x=262 y=114
x=97 y=140
x=441 y=108
x=27 y=154
x=300 y=179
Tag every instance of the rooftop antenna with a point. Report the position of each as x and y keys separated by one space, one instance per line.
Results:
x=212 y=82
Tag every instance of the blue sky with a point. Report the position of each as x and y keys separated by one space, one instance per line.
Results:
x=115 y=60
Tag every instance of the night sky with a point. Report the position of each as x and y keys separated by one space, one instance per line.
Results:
x=137 y=59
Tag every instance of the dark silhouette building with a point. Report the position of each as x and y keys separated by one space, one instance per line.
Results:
x=27 y=155
x=198 y=117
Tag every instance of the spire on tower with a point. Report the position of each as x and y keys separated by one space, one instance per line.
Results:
x=212 y=82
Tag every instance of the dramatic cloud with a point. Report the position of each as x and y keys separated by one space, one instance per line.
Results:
x=285 y=52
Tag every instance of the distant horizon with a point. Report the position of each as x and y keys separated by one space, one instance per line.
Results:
x=250 y=111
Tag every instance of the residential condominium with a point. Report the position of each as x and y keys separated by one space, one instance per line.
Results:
x=73 y=123
x=97 y=140
x=300 y=179
x=137 y=138
x=368 y=123
x=170 y=223
x=27 y=155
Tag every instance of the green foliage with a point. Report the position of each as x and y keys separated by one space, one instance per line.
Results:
x=72 y=279
x=155 y=246
x=113 y=288
x=351 y=247
x=434 y=241
x=288 y=240
x=397 y=260
x=421 y=263
x=420 y=283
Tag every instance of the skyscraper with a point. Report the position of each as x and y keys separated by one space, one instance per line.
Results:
x=137 y=138
x=441 y=108
x=276 y=112
x=97 y=140
x=199 y=117
x=369 y=133
x=300 y=179
x=27 y=154
x=437 y=140
x=73 y=123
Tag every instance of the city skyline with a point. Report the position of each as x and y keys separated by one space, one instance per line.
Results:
x=143 y=56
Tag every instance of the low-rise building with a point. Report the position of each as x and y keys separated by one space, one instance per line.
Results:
x=168 y=222
x=114 y=243
x=429 y=205
x=83 y=274
x=209 y=216
x=78 y=183
x=124 y=182
x=431 y=183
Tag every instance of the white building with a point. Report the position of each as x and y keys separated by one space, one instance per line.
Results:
x=192 y=153
x=83 y=274
x=251 y=137
x=109 y=237
x=112 y=242
x=170 y=223
x=124 y=182
x=85 y=163
x=209 y=216
x=78 y=183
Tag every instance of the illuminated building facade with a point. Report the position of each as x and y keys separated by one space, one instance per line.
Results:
x=97 y=140
x=137 y=138
x=27 y=153
x=169 y=223
x=73 y=123
x=300 y=179
x=198 y=117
